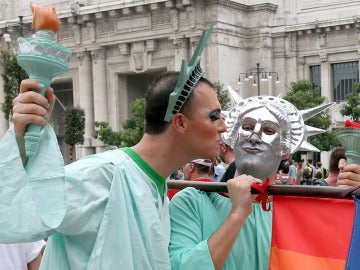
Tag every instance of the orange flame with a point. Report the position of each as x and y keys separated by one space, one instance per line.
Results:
x=44 y=18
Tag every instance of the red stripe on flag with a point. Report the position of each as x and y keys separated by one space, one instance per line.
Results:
x=312 y=226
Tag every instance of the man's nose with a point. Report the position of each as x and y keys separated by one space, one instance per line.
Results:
x=222 y=126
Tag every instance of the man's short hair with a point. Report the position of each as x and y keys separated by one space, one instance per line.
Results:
x=202 y=165
x=157 y=99
x=337 y=154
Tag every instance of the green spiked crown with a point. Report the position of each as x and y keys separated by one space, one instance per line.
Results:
x=188 y=78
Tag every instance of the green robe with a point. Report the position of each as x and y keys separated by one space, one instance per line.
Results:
x=195 y=216
x=104 y=211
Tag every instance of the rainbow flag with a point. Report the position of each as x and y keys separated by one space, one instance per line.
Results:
x=315 y=234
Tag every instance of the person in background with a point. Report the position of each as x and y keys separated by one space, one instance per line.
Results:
x=196 y=170
x=307 y=176
x=310 y=165
x=21 y=256
x=319 y=179
x=341 y=173
x=283 y=177
x=349 y=174
x=320 y=168
x=299 y=172
x=227 y=155
x=177 y=175
x=217 y=171
x=336 y=155
x=292 y=168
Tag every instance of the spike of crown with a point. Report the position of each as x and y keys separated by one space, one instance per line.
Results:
x=188 y=78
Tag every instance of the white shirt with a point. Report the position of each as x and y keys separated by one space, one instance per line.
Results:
x=17 y=256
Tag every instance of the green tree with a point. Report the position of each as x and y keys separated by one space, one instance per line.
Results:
x=12 y=75
x=133 y=128
x=74 y=127
x=304 y=95
x=222 y=95
x=352 y=106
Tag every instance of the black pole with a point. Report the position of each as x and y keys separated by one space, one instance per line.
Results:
x=284 y=190
x=257 y=77
x=21 y=26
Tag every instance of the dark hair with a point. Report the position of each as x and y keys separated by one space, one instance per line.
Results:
x=318 y=175
x=157 y=98
x=337 y=154
x=202 y=168
x=284 y=166
x=307 y=173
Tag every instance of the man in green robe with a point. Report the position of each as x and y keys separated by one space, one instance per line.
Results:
x=109 y=210
x=210 y=231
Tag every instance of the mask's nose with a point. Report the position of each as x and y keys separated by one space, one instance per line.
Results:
x=255 y=136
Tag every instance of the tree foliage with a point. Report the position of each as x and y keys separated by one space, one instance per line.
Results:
x=304 y=95
x=222 y=95
x=12 y=75
x=74 y=125
x=352 y=106
x=133 y=128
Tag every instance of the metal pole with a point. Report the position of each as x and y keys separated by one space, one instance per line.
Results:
x=257 y=77
x=21 y=24
x=284 y=190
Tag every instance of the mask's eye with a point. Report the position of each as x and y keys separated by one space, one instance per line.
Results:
x=248 y=126
x=215 y=115
x=269 y=129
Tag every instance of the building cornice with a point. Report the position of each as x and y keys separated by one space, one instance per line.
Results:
x=322 y=26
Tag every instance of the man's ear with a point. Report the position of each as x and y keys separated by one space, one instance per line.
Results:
x=191 y=167
x=180 y=122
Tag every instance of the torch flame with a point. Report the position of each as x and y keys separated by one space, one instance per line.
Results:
x=44 y=18
x=352 y=124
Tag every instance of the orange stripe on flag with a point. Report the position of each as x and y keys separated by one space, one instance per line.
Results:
x=284 y=259
x=318 y=227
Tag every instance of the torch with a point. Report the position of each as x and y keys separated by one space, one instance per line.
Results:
x=349 y=137
x=43 y=59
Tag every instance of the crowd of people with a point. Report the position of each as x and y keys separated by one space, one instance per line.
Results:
x=111 y=210
x=289 y=172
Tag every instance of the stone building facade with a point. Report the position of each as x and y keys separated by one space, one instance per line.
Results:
x=119 y=46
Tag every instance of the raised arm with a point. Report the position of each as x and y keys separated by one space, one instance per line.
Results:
x=31 y=191
x=30 y=107
x=222 y=241
x=199 y=236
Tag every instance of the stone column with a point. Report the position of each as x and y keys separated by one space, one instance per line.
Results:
x=181 y=52
x=100 y=91
x=326 y=83
x=86 y=100
x=4 y=124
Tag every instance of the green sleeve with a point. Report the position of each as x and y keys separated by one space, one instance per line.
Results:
x=188 y=250
x=32 y=198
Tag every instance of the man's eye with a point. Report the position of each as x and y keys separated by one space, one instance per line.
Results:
x=214 y=116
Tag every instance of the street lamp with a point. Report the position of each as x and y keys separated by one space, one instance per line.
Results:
x=7 y=37
x=21 y=26
x=258 y=75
